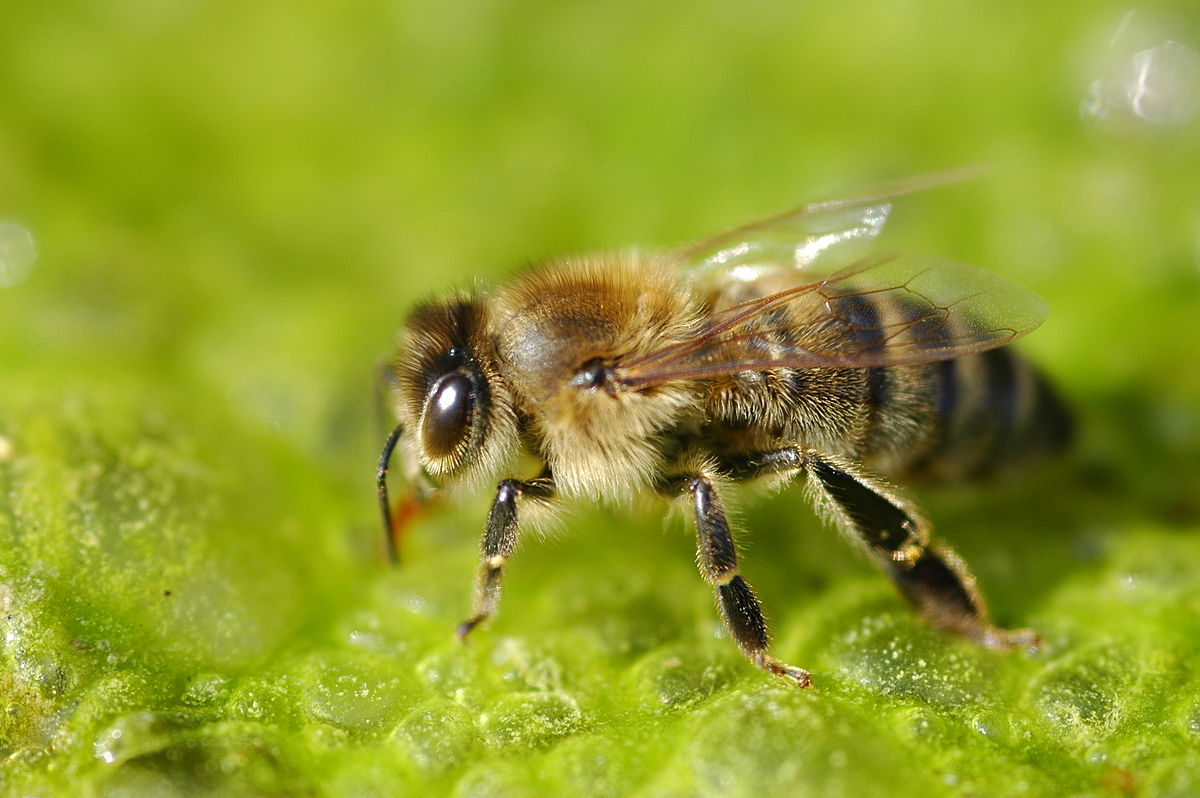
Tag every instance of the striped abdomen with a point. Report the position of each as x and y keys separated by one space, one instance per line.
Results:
x=964 y=417
x=959 y=418
x=990 y=411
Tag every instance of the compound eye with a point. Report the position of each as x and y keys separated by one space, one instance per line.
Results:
x=447 y=418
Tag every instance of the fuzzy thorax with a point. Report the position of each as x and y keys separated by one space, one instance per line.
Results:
x=600 y=441
x=603 y=446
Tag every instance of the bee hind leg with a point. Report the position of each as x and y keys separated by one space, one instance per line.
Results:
x=929 y=575
x=498 y=543
x=717 y=558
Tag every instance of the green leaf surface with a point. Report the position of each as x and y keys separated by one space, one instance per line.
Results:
x=234 y=204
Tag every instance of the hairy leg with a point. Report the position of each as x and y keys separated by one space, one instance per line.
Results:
x=931 y=576
x=498 y=543
x=717 y=558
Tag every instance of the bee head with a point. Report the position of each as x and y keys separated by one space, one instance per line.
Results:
x=453 y=403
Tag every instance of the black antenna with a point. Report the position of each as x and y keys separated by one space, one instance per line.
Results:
x=385 y=506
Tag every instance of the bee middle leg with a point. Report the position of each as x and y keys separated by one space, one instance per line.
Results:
x=498 y=543
x=930 y=575
x=717 y=557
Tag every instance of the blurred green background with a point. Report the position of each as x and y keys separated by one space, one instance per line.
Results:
x=233 y=204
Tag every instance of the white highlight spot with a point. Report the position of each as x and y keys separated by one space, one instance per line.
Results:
x=1164 y=84
x=448 y=398
x=1147 y=80
x=18 y=251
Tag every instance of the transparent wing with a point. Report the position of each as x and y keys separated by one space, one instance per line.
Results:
x=886 y=311
x=820 y=237
x=797 y=239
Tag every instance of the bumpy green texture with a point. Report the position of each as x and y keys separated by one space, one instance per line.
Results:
x=234 y=204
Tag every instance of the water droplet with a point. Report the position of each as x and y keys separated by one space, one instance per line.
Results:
x=530 y=719
x=355 y=693
x=1146 y=80
x=205 y=689
x=132 y=735
x=18 y=251
x=438 y=736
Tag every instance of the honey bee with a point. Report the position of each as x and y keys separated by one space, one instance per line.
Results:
x=777 y=350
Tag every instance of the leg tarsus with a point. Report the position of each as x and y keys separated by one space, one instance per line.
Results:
x=463 y=629
x=717 y=559
x=498 y=543
x=1007 y=639
x=797 y=676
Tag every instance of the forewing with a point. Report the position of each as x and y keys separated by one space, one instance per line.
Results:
x=885 y=311
x=830 y=233
x=818 y=238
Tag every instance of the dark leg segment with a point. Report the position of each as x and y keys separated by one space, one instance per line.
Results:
x=718 y=563
x=882 y=523
x=932 y=577
x=499 y=541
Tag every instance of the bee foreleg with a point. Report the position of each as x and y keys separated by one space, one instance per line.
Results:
x=498 y=543
x=717 y=558
x=931 y=576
